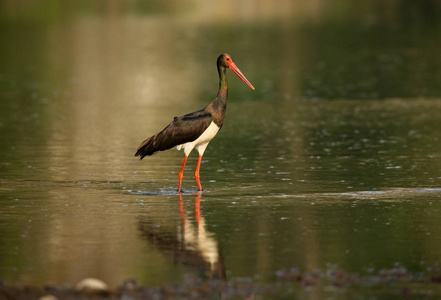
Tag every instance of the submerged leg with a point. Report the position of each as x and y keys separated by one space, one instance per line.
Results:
x=196 y=174
x=181 y=174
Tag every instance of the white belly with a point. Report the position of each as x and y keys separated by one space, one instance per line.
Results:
x=202 y=141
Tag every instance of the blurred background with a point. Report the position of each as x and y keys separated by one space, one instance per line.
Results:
x=345 y=112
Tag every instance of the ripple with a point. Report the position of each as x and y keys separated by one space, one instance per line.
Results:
x=164 y=192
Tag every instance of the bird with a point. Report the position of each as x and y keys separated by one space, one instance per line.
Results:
x=196 y=129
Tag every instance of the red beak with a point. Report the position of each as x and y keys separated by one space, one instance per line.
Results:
x=236 y=70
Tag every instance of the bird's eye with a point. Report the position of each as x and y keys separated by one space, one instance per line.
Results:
x=228 y=58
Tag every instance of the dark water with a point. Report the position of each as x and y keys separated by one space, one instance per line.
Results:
x=333 y=163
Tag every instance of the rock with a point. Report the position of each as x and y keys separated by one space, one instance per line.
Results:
x=48 y=297
x=92 y=286
x=129 y=285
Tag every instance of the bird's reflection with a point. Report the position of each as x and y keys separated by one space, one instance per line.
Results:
x=188 y=243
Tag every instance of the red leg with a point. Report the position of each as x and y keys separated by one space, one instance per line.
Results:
x=181 y=174
x=196 y=174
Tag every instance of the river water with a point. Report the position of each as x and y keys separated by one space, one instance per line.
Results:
x=331 y=167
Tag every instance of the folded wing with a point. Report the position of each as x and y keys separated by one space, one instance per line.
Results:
x=181 y=130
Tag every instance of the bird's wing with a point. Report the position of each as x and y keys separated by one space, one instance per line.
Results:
x=184 y=129
x=180 y=131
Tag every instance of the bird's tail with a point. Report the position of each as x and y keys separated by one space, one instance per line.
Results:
x=147 y=147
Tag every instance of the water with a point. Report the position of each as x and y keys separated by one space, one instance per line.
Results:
x=332 y=164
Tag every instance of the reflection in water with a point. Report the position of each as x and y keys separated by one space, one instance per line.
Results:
x=187 y=244
x=289 y=165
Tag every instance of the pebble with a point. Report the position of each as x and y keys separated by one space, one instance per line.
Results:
x=91 y=286
x=48 y=297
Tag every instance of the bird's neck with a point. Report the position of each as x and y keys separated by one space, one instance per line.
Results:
x=222 y=94
x=218 y=107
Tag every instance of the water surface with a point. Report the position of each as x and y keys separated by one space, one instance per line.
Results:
x=331 y=164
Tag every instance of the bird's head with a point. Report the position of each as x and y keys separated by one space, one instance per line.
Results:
x=226 y=61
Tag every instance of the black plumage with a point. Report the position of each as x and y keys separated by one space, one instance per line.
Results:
x=181 y=130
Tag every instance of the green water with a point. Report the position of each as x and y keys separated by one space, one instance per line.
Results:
x=333 y=163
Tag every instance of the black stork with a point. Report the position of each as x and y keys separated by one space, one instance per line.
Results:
x=196 y=129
